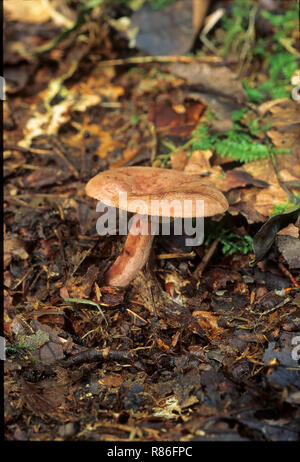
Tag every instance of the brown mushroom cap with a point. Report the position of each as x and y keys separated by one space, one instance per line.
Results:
x=147 y=184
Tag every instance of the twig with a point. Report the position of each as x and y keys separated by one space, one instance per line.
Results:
x=291 y=196
x=154 y=141
x=288 y=274
x=168 y=256
x=280 y=305
x=249 y=39
x=135 y=315
x=71 y=167
x=160 y=59
x=210 y=23
x=57 y=17
x=26 y=275
x=201 y=267
x=13 y=147
x=41 y=195
x=286 y=44
x=100 y=355
x=23 y=203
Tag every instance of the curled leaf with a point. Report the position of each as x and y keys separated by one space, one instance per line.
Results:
x=264 y=238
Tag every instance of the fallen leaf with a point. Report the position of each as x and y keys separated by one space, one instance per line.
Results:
x=290 y=230
x=264 y=238
x=167 y=120
x=44 y=176
x=31 y=11
x=220 y=81
x=285 y=126
x=198 y=163
x=209 y=323
x=13 y=247
x=289 y=247
x=81 y=286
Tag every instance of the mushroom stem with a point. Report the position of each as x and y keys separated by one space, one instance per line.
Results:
x=134 y=255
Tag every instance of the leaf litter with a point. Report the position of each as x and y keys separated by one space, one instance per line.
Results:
x=201 y=346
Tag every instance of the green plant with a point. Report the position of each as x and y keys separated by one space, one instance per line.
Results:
x=278 y=57
x=286 y=206
x=137 y=4
x=135 y=118
x=236 y=27
x=20 y=350
x=231 y=242
x=237 y=143
x=85 y=8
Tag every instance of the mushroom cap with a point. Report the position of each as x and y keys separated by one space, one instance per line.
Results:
x=146 y=185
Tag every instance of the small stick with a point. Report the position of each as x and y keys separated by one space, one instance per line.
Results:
x=26 y=275
x=167 y=256
x=160 y=59
x=154 y=141
x=12 y=147
x=136 y=315
x=280 y=305
x=106 y=354
x=202 y=265
x=288 y=274
x=71 y=167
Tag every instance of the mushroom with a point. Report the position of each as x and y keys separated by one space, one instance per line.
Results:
x=136 y=189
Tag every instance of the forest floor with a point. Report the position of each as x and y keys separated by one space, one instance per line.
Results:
x=203 y=345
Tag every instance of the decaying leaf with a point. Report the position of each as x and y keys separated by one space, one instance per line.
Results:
x=217 y=80
x=31 y=11
x=209 y=323
x=288 y=244
x=13 y=246
x=199 y=346
x=264 y=238
x=168 y=121
x=169 y=409
x=44 y=344
x=285 y=126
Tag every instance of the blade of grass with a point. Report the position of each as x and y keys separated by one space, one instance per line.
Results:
x=87 y=302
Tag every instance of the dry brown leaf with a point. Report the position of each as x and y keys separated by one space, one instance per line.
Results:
x=13 y=246
x=128 y=154
x=81 y=287
x=107 y=143
x=268 y=105
x=220 y=80
x=178 y=160
x=209 y=323
x=266 y=198
x=112 y=380
x=168 y=121
x=290 y=230
x=30 y=11
x=285 y=126
x=198 y=163
x=81 y=96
